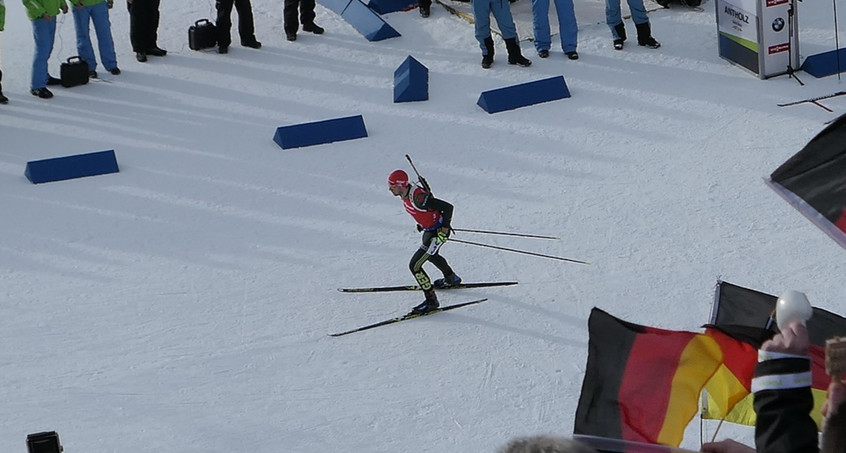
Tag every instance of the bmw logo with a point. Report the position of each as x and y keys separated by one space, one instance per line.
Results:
x=778 y=24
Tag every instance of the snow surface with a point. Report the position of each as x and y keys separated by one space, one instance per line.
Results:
x=183 y=304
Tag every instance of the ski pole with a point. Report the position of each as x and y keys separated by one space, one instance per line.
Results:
x=422 y=179
x=519 y=251
x=505 y=233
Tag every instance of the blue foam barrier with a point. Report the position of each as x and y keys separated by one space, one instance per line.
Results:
x=525 y=94
x=390 y=6
x=825 y=64
x=411 y=81
x=367 y=22
x=70 y=167
x=319 y=132
x=336 y=6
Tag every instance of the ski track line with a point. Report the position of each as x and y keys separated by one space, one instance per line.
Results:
x=225 y=210
x=484 y=385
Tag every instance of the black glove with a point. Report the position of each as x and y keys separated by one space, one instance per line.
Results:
x=419 y=228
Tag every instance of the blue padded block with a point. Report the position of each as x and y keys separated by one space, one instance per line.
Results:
x=327 y=131
x=825 y=64
x=368 y=23
x=336 y=6
x=69 y=167
x=411 y=81
x=390 y=6
x=529 y=93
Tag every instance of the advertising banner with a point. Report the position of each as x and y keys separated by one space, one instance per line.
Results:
x=756 y=34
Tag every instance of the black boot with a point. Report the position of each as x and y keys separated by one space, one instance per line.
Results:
x=644 y=36
x=620 y=29
x=3 y=99
x=487 y=59
x=431 y=303
x=515 y=56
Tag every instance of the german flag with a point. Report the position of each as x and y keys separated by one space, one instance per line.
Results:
x=641 y=383
x=814 y=180
x=740 y=322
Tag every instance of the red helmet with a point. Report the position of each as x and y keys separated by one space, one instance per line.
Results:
x=398 y=178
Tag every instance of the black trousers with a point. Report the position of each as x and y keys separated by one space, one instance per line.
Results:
x=306 y=13
x=143 y=24
x=246 y=27
x=420 y=257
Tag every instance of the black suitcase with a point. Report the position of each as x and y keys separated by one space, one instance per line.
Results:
x=46 y=442
x=202 y=35
x=74 y=72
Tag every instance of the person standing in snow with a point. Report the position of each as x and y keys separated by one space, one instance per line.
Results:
x=306 y=17
x=433 y=217
x=96 y=11
x=501 y=10
x=43 y=14
x=614 y=19
x=568 y=28
x=143 y=28
x=246 y=26
x=3 y=99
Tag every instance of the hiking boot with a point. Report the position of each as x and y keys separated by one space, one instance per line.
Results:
x=114 y=71
x=3 y=99
x=644 y=36
x=223 y=49
x=649 y=43
x=572 y=55
x=620 y=36
x=92 y=74
x=254 y=44
x=424 y=11
x=156 y=52
x=43 y=93
x=447 y=281
x=543 y=53
x=141 y=57
x=519 y=60
x=313 y=28
x=291 y=36
x=51 y=81
x=515 y=56
x=431 y=303
x=487 y=59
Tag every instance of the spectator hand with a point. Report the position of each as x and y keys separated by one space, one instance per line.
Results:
x=419 y=228
x=726 y=446
x=792 y=340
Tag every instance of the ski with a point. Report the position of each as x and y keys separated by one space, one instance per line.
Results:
x=382 y=289
x=818 y=98
x=407 y=317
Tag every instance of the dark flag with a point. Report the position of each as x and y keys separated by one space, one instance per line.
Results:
x=741 y=320
x=814 y=180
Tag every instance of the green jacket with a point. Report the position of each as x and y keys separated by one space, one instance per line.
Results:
x=2 y=15
x=36 y=8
